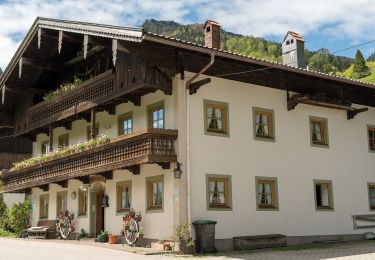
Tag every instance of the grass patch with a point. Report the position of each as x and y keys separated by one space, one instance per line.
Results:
x=4 y=233
x=370 y=78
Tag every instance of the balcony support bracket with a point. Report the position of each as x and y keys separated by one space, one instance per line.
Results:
x=165 y=165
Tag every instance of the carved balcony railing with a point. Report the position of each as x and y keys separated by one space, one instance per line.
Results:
x=125 y=152
x=133 y=78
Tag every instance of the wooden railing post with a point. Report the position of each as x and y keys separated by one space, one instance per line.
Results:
x=50 y=137
x=93 y=124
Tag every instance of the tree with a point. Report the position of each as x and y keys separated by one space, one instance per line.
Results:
x=360 y=68
x=3 y=212
x=371 y=57
x=19 y=215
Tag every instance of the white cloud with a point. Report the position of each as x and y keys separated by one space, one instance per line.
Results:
x=347 y=19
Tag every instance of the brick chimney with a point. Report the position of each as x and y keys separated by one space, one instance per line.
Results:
x=212 y=34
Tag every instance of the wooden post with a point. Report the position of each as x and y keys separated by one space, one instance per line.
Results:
x=50 y=135
x=93 y=124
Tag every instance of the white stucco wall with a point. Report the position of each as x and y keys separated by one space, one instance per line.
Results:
x=347 y=163
x=108 y=124
x=13 y=198
x=157 y=225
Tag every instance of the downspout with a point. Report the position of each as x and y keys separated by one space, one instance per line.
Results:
x=188 y=129
x=201 y=71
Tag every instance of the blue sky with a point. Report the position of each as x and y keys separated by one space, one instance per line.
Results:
x=323 y=23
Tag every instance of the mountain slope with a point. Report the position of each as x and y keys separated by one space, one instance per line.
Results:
x=248 y=45
x=371 y=78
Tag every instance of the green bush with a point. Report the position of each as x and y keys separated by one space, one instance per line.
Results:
x=187 y=244
x=19 y=215
x=3 y=212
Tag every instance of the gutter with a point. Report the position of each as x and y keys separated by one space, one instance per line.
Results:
x=205 y=68
x=190 y=81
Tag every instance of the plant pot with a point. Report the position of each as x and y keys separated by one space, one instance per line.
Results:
x=112 y=239
x=167 y=247
x=138 y=219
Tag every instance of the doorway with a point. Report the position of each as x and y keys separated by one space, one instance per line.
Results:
x=96 y=210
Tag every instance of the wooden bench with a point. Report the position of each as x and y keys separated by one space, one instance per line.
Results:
x=255 y=242
x=45 y=229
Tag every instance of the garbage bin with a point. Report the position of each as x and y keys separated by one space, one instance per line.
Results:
x=205 y=236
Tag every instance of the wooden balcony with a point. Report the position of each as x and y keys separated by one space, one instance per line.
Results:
x=124 y=152
x=132 y=79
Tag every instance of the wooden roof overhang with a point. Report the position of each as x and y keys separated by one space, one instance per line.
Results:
x=43 y=58
x=265 y=73
x=42 y=64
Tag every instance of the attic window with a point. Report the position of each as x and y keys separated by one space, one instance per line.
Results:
x=208 y=29
x=287 y=42
x=292 y=41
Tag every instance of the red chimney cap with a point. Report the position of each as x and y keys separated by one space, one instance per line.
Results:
x=208 y=21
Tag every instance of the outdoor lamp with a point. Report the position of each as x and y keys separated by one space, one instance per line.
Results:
x=177 y=171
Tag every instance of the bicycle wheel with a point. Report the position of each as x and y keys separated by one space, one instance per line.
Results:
x=131 y=232
x=65 y=228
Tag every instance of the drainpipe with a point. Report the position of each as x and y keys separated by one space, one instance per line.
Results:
x=201 y=71
x=188 y=129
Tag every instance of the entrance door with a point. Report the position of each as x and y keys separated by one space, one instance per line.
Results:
x=99 y=213
x=96 y=209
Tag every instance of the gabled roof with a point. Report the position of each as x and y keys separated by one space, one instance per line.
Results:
x=295 y=35
x=138 y=35
x=91 y=29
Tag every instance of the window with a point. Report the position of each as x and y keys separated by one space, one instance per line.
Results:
x=125 y=124
x=291 y=41
x=319 y=132
x=323 y=195
x=264 y=126
x=219 y=192
x=88 y=131
x=61 y=201
x=82 y=202
x=45 y=147
x=155 y=192
x=371 y=195
x=216 y=118
x=371 y=138
x=64 y=140
x=123 y=196
x=266 y=189
x=43 y=206
x=156 y=115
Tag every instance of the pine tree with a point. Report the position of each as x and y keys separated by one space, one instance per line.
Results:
x=360 y=68
x=371 y=57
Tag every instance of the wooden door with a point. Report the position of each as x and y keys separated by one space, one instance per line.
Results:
x=99 y=213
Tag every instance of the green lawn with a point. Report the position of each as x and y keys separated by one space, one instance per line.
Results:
x=370 y=78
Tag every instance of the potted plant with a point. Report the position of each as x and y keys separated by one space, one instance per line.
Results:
x=141 y=233
x=138 y=216
x=103 y=237
x=131 y=213
x=112 y=239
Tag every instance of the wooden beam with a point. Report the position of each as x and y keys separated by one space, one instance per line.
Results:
x=63 y=184
x=107 y=175
x=78 y=59
x=135 y=169
x=44 y=64
x=164 y=165
x=93 y=123
x=193 y=87
x=84 y=179
x=50 y=137
x=136 y=100
x=352 y=113
x=44 y=187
